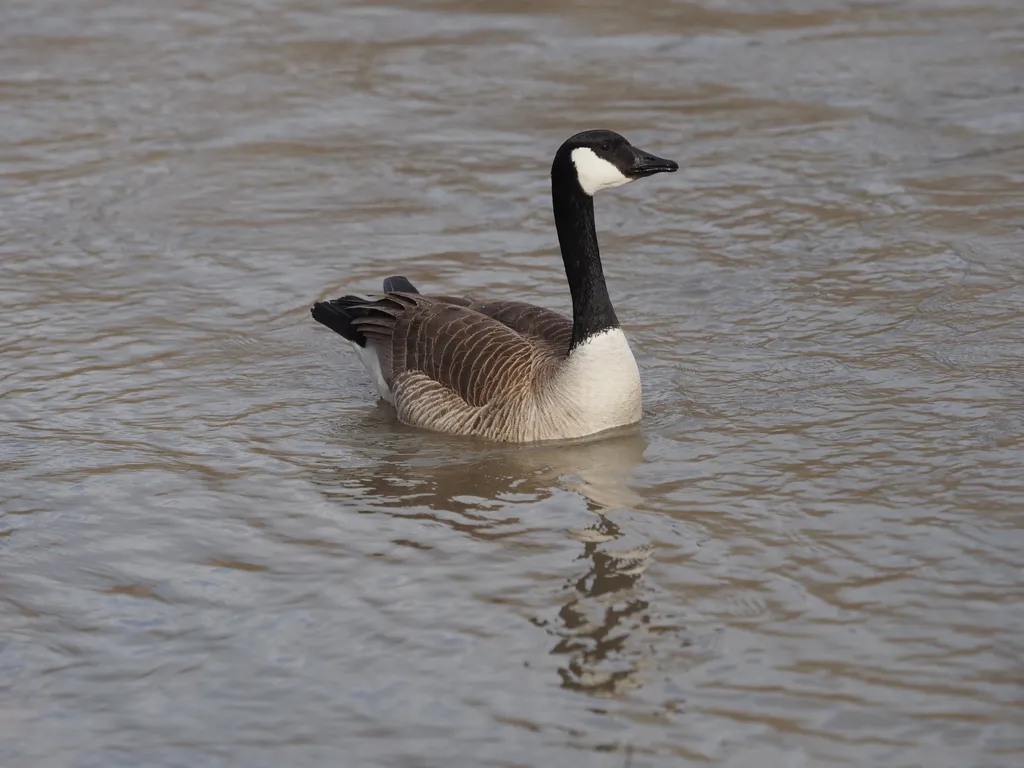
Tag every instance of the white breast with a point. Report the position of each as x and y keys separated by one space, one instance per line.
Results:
x=598 y=386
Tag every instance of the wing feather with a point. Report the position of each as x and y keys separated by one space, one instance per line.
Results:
x=476 y=356
x=546 y=325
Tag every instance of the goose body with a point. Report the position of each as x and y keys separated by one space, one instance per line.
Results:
x=508 y=370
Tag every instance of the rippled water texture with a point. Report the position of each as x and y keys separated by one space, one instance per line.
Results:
x=219 y=550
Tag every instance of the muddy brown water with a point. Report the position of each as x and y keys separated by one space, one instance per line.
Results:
x=217 y=548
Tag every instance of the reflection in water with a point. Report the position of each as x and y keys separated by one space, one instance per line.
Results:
x=474 y=488
x=598 y=619
x=457 y=475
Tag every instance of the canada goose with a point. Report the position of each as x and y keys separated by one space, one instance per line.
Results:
x=507 y=370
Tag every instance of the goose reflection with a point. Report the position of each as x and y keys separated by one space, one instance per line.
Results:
x=395 y=467
x=482 y=491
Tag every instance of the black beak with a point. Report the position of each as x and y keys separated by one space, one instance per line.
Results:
x=646 y=164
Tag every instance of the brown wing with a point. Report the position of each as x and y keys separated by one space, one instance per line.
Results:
x=544 y=325
x=539 y=323
x=476 y=356
x=528 y=319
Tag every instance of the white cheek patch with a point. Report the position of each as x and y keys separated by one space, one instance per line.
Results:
x=595 y=173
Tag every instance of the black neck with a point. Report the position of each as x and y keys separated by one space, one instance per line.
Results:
x=592 y=310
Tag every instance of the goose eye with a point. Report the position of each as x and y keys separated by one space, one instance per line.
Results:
x=605 y=145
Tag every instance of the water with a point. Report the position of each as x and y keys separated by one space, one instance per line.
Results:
x=218 y=550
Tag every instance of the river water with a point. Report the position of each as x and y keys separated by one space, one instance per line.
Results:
x=217 y=548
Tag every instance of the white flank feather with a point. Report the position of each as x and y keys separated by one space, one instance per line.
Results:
x=368 y=357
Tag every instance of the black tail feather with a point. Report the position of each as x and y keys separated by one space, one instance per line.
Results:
x=338 y=314
x=398 y=284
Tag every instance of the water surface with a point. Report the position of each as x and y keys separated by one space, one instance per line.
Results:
x=217 y=548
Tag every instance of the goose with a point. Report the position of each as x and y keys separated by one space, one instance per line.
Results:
x=510 y=371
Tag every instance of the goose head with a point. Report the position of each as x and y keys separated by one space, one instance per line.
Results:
x=604 y=159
